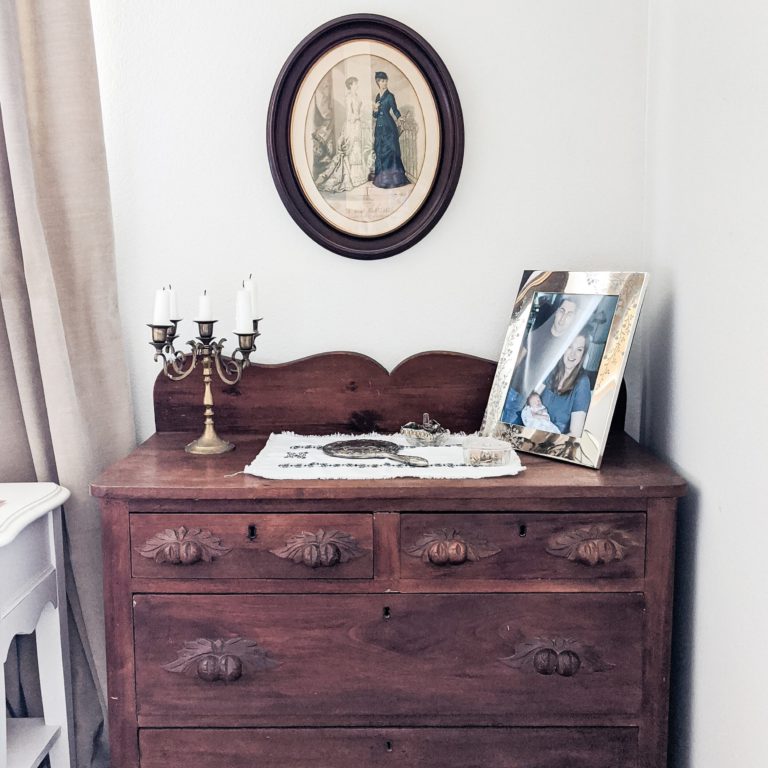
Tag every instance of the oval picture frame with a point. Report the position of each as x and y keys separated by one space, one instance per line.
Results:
x=365 y=165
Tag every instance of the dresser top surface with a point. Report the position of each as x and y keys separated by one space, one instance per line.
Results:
x=341 y=392
x=160 y=469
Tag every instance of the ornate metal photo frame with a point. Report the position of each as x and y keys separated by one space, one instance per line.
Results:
x=365 y=136
x=563 y=361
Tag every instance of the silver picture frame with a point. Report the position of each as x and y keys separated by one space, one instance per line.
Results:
x=562 y=363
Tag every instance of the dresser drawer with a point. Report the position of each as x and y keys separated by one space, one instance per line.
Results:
x=373 y=747
x=387 y=659
x=596 y=545
x=288 y=546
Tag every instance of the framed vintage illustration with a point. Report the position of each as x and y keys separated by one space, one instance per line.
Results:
x=365 y=136
x=562 y=363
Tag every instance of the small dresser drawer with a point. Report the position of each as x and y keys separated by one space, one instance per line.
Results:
x=221 y=546
x=390 y=747
x=387 y=659
x=512 y=546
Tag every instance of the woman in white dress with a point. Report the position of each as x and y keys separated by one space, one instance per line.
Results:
x=346 y=170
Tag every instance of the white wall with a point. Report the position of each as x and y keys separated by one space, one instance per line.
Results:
x=563 y=169
x=553 y=94
x=706 y=358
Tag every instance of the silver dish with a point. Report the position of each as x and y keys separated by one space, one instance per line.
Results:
x=428 y=433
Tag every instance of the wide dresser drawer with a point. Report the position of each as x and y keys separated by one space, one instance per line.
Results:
x=252 y=546
x=391 y=748
x=531 y=545
x=545 y=659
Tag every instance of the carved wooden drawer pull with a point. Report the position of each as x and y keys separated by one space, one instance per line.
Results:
x=561 y=656
x=225 y=660
x=591 y=545
x=448 y=547
x=321 y=548
x=183 y=546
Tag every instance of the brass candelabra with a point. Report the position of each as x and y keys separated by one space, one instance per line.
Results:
x=177 y=366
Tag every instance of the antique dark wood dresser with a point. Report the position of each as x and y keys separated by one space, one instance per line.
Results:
x=297 y=624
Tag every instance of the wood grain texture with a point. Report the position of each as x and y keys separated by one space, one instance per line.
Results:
x=160 y=471
x=387 y=544
x=383 y=582
x=334 y=392
x=346 y=658
x=253 y=558
x=658 y=627
x=385 y=748
x=118 y=611
x=522 y=540
x=430 y=660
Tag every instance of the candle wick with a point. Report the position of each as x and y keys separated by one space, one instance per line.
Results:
x=250 y=276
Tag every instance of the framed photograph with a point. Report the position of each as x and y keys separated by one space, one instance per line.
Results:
x=365 y=136
x=563 y=361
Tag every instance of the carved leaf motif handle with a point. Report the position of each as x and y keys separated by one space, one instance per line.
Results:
x=320 y=549
x=183 y=546
x=591 y=545
x=449 y=547
x=219 y=659
x=558 y=655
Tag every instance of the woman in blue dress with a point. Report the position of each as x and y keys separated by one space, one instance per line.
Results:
x=567 y=390
x=388 y=171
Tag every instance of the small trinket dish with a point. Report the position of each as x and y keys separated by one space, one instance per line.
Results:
x=429 y=432
x=486 y=451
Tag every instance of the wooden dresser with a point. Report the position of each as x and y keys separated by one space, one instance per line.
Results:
x=516 y=622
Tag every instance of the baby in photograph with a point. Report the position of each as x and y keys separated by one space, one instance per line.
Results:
x=536 y=416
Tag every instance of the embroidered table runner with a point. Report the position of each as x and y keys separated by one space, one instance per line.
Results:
x=288 y=456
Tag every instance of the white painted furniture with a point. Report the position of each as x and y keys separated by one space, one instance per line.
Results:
x=32 y=599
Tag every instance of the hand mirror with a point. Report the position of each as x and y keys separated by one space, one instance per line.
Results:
x=371 y=449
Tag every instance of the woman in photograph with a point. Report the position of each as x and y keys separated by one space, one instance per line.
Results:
x=567 y=390
x=389 y=171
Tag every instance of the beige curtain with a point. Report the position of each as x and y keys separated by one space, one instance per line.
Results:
x=65 y=406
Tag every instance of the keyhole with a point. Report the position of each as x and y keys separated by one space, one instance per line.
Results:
x=389 y=746
x=523 y=529
x=252 y=532
x=387 y=615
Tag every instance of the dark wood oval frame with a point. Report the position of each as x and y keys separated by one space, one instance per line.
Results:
x=411 y=44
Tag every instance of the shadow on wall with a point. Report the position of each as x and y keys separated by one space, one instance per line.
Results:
x=681 y=683
x=657 y=429
x=656 y=423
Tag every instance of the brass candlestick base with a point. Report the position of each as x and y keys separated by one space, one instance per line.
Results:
x=209 y=444
x=205 y=349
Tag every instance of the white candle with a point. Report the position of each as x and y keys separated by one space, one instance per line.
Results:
x=174 y=310
x=243 y=317
x=204 y=309
x=250 y=286
x=162 y=313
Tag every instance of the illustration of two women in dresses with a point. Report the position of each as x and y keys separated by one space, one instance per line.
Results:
x=348 y=168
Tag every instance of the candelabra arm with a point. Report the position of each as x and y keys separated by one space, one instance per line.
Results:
x=174 y=368
x=242 y=357
x=229 y=370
